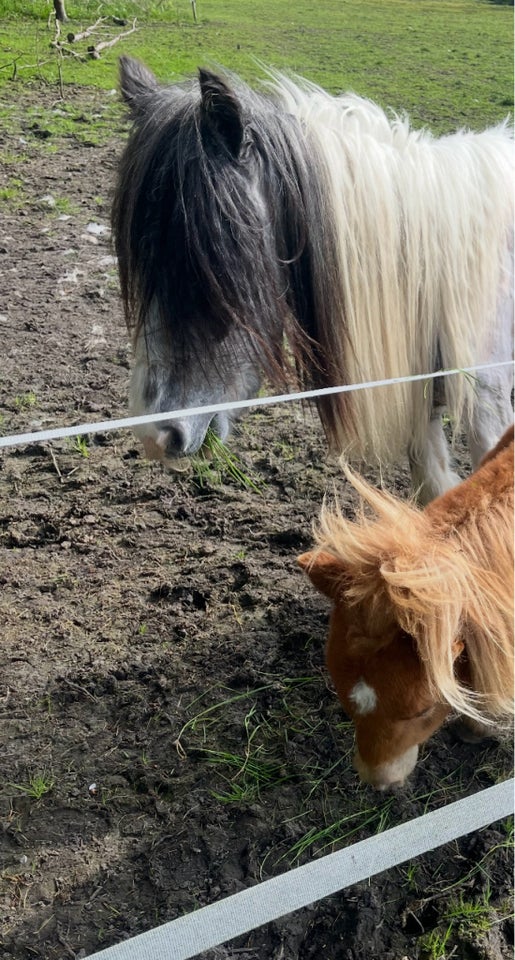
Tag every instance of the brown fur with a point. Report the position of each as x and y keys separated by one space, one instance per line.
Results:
x=426 y=596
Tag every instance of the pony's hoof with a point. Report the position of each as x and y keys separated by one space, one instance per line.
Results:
x=471 y=731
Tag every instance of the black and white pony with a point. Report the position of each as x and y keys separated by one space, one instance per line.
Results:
x=307 y=238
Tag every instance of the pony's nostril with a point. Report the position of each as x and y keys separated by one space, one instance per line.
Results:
x=174 y=440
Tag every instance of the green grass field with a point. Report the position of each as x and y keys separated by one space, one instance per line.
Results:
x=447 y=62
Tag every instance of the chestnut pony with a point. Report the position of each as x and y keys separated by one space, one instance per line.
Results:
x=422 y=619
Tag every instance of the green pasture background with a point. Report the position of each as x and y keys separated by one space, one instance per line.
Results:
x=447 y=62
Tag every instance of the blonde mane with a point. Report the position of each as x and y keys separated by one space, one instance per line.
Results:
x=446 y=587
x=422 y=226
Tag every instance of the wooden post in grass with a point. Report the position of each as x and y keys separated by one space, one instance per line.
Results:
x=60 y=12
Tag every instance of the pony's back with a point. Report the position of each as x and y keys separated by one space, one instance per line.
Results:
x=485 y=495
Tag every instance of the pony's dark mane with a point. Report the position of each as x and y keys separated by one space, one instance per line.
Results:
x=209 y=242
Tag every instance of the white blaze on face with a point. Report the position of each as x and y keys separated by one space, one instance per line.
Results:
x=364 y=698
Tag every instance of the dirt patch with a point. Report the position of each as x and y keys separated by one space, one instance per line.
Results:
x=169 y=732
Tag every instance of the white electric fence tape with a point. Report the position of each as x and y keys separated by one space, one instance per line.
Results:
x=221 y=921
x=101 y=426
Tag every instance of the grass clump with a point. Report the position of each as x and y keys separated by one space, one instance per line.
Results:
x=25 y=401
x=465 y=920
x=12 y=193
x=470 y=915
x=376 y=816
x=217 y=463
x=434 y=944
x=80 y=445
x=36 y=787
x=252 y=775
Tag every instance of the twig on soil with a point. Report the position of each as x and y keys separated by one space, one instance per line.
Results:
x=60 y=73
x=94 y=51
x=244 y=950
x=67 y=947
x=413 y=916
x=76 y=686
x=5 y=700
x=14 y=63
x=56 y=465
x=23 y=66
x=66 y=51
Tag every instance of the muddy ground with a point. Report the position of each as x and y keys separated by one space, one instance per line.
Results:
x=169 y=732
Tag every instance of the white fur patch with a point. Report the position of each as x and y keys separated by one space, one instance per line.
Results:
x=363 y=697
x=387 y=774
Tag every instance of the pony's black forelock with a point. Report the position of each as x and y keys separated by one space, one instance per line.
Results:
x=192 y=236
x=213 y=243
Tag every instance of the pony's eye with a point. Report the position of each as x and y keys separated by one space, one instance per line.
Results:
x=426 y=712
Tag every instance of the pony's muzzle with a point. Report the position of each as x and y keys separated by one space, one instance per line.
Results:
x=173 y=439
x=385 y=776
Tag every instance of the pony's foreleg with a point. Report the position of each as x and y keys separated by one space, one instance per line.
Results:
x=492 y=412
x=430 y=462
x=472 y=731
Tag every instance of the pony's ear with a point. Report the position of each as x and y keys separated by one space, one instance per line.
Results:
x=324 y=571
x=220 y=111
x=458 y=647
x=137 y=84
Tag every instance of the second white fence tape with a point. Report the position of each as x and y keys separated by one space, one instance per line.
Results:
x=219 y=922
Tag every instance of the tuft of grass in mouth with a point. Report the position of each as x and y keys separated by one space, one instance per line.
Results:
x=217 y=460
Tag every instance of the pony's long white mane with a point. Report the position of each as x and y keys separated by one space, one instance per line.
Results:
x=425 y=232
x=441 y=588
